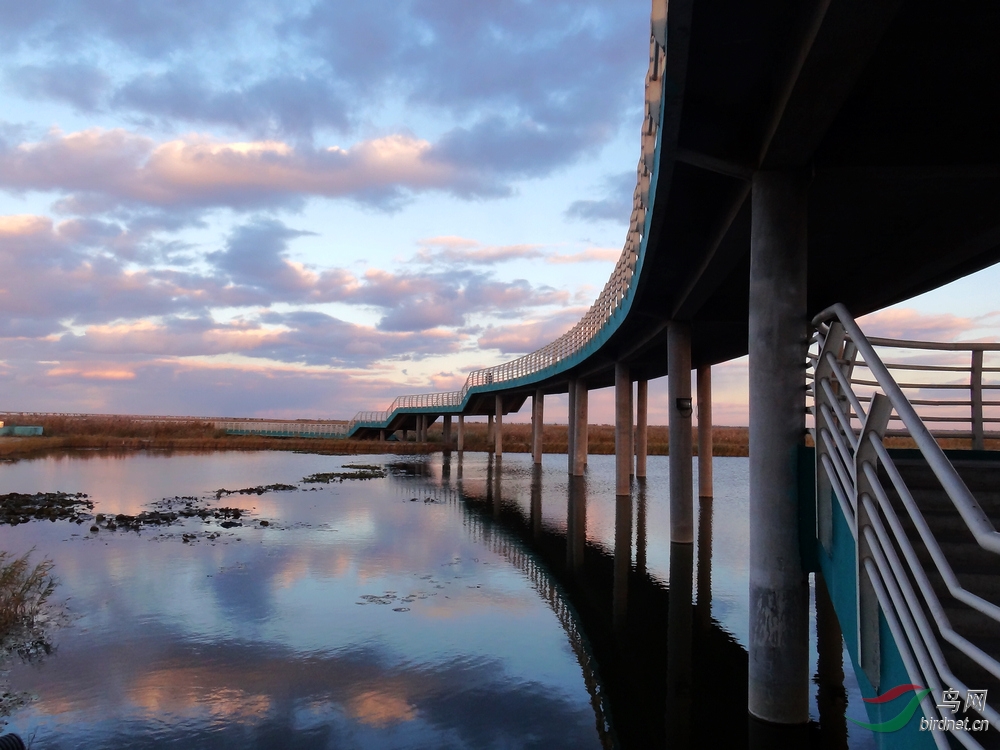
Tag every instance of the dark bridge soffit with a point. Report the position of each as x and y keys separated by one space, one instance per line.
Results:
x=892 y=106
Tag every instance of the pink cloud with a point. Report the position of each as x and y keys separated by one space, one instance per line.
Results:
x=590 y=255
x=122 y=166
x=907 y=323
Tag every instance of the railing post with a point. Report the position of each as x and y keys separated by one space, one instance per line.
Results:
x=832 y=344
x=976 y=390
x=869 y=647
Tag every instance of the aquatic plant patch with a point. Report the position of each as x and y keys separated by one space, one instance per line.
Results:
x=17 y=507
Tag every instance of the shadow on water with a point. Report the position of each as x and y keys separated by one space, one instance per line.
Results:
x=661 y=671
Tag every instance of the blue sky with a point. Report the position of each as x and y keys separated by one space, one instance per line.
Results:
x=302 y=209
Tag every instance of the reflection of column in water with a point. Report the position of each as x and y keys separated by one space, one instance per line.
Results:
x=704 y=596
x=536 y=501
x=679 y=646
x=497 y=495
x=576 y=522
x=446 y=468
x=489 y=480
x=640 y=526
x=831 y=696
x=623 y=560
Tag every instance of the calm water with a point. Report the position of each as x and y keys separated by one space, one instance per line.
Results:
x=438 y=607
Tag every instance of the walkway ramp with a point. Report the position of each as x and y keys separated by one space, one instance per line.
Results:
x=975 y=568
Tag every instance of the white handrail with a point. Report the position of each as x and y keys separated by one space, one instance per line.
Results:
x=848 y=460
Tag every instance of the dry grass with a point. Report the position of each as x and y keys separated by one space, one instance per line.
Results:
x=24 y=590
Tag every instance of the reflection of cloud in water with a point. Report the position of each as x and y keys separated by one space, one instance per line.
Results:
x=380 y=708
x=251 y=690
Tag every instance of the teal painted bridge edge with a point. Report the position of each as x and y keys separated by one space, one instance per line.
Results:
x=599 y=340
x=839 y=569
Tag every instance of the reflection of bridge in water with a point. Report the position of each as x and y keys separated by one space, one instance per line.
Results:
x=660 y=671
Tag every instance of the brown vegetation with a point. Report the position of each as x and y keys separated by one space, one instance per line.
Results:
x=125 y=434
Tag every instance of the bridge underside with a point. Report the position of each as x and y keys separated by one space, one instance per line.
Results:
x=890 y=108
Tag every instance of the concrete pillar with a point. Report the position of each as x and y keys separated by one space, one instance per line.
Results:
x=641 y=426
x=422 y=428
x=631 y=430
x=381 y=436
x=571 y=427
x=461 y=432
x=623 y=429
x=705 y=488
x=537 y=425
x=446 y=431
x=581 y=433
x=679 y=411
x=489 y=433
x=406 y=436
x=498 y=428
x=779 y=589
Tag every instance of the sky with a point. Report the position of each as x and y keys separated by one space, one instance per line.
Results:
x=304 y=209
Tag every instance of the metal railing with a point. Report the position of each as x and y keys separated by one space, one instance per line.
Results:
x=848 y=431
x=277 y=427
x=615 y=292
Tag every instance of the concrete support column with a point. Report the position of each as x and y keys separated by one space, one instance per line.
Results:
x=679 y=411
x=489 y=433
x=381 y=436
x=705 y=488
x=406 y=436
x=779 y=589
x=498 y=429
x=461 y=432
x=537 y=423
x=446 y=434
x=571 y=427
x=641 y=426
x=422 y=428
x=623 y=429
x=580 y=443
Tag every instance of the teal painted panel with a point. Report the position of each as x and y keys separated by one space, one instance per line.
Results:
x=21 y=430
x=839 y=570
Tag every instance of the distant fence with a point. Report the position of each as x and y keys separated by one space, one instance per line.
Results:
x=232 y=425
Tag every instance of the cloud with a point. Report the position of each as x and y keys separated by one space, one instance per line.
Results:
x=615 y=206
x=527 y=336
x=79 y=84
x=102 y=169
x=907 y=323
x=280 y=104
x=469 y=252
x=590 y=255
